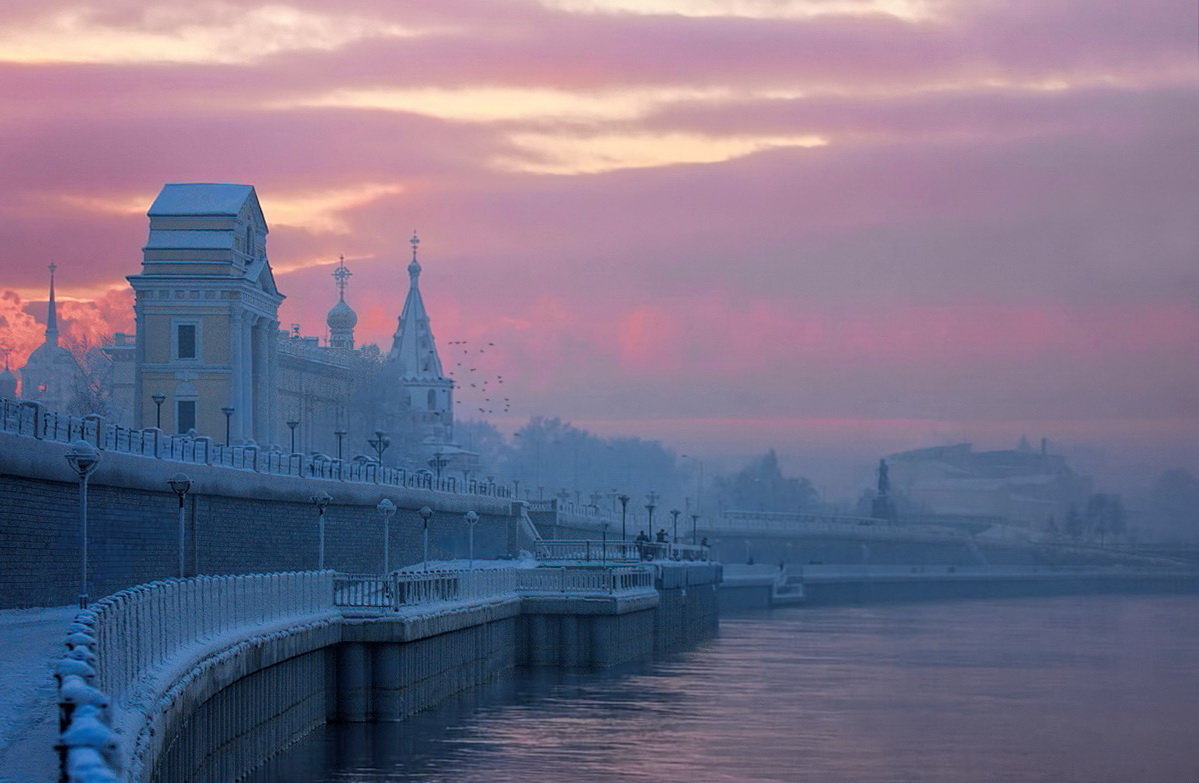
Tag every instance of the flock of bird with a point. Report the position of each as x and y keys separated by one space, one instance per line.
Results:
x=487 y=395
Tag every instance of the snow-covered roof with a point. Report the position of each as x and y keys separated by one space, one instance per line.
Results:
x=413 y=347
x=201 y=198
x=189 y=240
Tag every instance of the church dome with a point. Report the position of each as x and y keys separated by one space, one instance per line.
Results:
x=49 y=354
x=341 y=316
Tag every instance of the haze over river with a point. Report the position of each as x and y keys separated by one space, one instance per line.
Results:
x=1087 y=689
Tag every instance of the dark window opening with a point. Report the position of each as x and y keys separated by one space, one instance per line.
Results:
x=186 y=337
x=187 y=415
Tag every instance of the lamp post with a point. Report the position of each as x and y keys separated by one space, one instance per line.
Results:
x=321 y=500
x=159 y=398
x=652 y=497
x=437 y=463
x=694 y=524
x=472 y=519
x=425 y=513
x=379 y=443
x=180 y=484
x=340 y=434
x=83 y=459
x=228 y=411
x=604 y=542
x=674 y=512
x=387 y=509
x=292 y=426
x=624 y=515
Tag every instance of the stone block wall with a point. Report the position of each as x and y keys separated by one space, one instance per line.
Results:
x=236 y=522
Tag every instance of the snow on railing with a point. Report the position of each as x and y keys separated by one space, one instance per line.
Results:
x=31 y=419
x=734 y=522
x=585 y=581
x=121 y=639
x=410 y=588
x=590 y=551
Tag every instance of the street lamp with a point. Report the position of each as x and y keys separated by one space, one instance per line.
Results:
x=472 y=519
x=180 y=484
x=379 y=443
x=624 y=514
x=340 y=434
x=694 y=524
x=652 y=497
x=292 y=426
x=321 y=500
x=425 y=513
x=437 y=463
x=83 y=459
x=604 y=542
x=159 y=398
x=387 y=509
x=228 y=411
x=674 y=512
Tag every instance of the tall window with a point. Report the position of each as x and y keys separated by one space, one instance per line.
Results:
x=185 y=341
x=432 y=400
x=186 y=417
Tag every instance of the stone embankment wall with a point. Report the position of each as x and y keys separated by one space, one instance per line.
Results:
x=355 y=670
x=238 y=712
x=236 y=522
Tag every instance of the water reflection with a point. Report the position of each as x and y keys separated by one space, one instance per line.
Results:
x=1087 y=689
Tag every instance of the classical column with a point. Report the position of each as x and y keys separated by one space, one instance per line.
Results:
x=246 y=401
x=262 y=388
x=272 y=380
x=237 y=363
x=139 y=363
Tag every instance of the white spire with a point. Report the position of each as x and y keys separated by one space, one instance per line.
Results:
x=413 y=345
x=52 y=312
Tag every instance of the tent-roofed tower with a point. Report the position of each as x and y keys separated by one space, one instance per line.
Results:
x=207 y=314
x=416 y=366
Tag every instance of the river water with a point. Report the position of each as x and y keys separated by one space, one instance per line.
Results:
x=1087 y=689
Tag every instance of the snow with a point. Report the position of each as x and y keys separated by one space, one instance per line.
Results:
x=200 y=198
x=525 y=561
x=30 y=640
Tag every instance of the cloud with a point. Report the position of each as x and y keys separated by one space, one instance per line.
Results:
x=722 y=210
x=201 y=32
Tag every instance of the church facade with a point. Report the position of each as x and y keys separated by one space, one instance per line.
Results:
x=208 y=354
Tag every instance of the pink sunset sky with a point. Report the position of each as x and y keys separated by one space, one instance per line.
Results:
x=835 y=227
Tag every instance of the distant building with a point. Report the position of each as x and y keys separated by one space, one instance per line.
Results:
x=51 y=374
x=1031 y=489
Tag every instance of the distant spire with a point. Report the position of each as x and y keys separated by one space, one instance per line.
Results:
x=342 y=276
x=52 y=312
x=414 y=267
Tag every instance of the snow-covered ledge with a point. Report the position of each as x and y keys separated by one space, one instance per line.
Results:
x=140 y=661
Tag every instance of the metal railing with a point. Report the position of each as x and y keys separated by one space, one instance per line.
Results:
x=404 y=588
x=740 y=522
x=121 y=640
x=31 y=419
x=590 y=551
x=585 y=581
x=410 y=588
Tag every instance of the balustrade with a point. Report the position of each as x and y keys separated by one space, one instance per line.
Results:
x=31 y=419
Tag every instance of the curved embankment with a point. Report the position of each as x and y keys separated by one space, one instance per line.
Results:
x=203 y=679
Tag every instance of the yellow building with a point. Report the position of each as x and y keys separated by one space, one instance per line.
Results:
x=208 y=353
x=206 y=309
